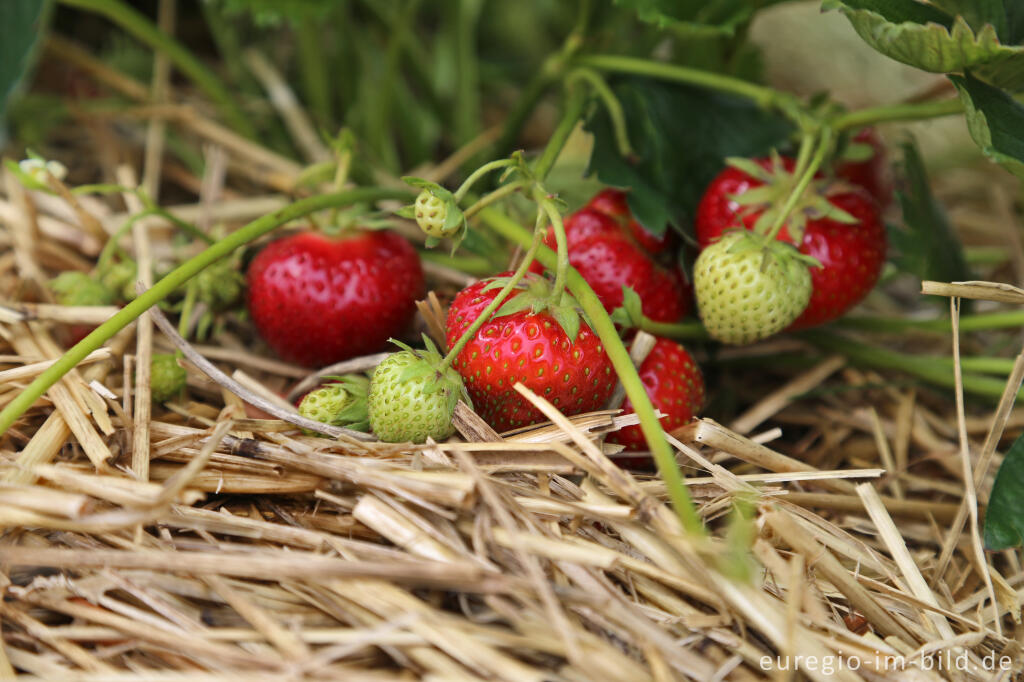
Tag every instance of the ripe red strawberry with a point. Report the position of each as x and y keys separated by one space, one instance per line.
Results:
x=675 y=386
x=851 y=254
x=527 y=347
x=872 y=173
x=608 y=256
x=612 y=202
x=317 y=300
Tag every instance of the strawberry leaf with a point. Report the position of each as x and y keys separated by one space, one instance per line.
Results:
x=1004 y=518
x=679 y=136
x=925 y=245
x=962 y=38
x=995 y=121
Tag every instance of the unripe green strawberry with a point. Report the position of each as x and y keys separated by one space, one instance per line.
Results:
x=166 y=377
x=220 y=285
x=749 y=287
x=340 y=404
x=120 y=278
x=411 y=400
x=431 y=215
x=75 y=288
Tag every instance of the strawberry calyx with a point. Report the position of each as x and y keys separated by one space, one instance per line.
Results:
x=429 y=361
x=785 y=253
x=769 y=200
x=436 y=212
x=342 y=402
x=537 y=294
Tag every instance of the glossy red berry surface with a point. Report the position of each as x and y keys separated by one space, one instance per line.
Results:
x=317 y=300
x=531 y=348
x=675 y=386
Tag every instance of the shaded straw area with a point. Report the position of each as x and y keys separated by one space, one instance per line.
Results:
x=243 y=549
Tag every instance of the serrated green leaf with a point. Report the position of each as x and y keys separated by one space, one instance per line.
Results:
x=680 y=136
x=925 y=37
x=1004 y=519
x=995 y=121
x=925 y=245
x=977 y=13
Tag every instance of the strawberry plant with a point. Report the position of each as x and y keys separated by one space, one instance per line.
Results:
x=524 y=187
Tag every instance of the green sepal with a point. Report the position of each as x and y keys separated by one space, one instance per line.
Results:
x=434 y=188
x=569 y=320
x=765 y=194
x=750 y=167
x=630 y=314
x=515 y=305
x=857 y=152
x=408 y=212
x=431 y=242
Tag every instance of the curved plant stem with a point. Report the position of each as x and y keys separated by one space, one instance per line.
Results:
x=934 y=370
x=619 y=356
x=493 y=306
x=177 y=277
x=897 y=112
x=675 y=330
x=761 y=95
x=561 y=244
x=801 y=185
x=483 y=170
x=573 y=109
x=488 y=199
x=611 y=104
x=1009 y=319
x=146 y=31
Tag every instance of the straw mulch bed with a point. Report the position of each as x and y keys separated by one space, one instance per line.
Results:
x=203 y=540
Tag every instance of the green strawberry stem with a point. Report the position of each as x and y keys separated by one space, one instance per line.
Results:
x=763 y=96
x=562 y=261
x=571 y=112
x=177 y=277
x=675 y=330
x=1008 y=319
x=803 y=156
x=483 y=170
x=824 y=143
x=934 y=370
x=144 y=30
x=488 y=199
x=919 y=111
x=611 y=105
x=493 y=306
x=619 y=356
